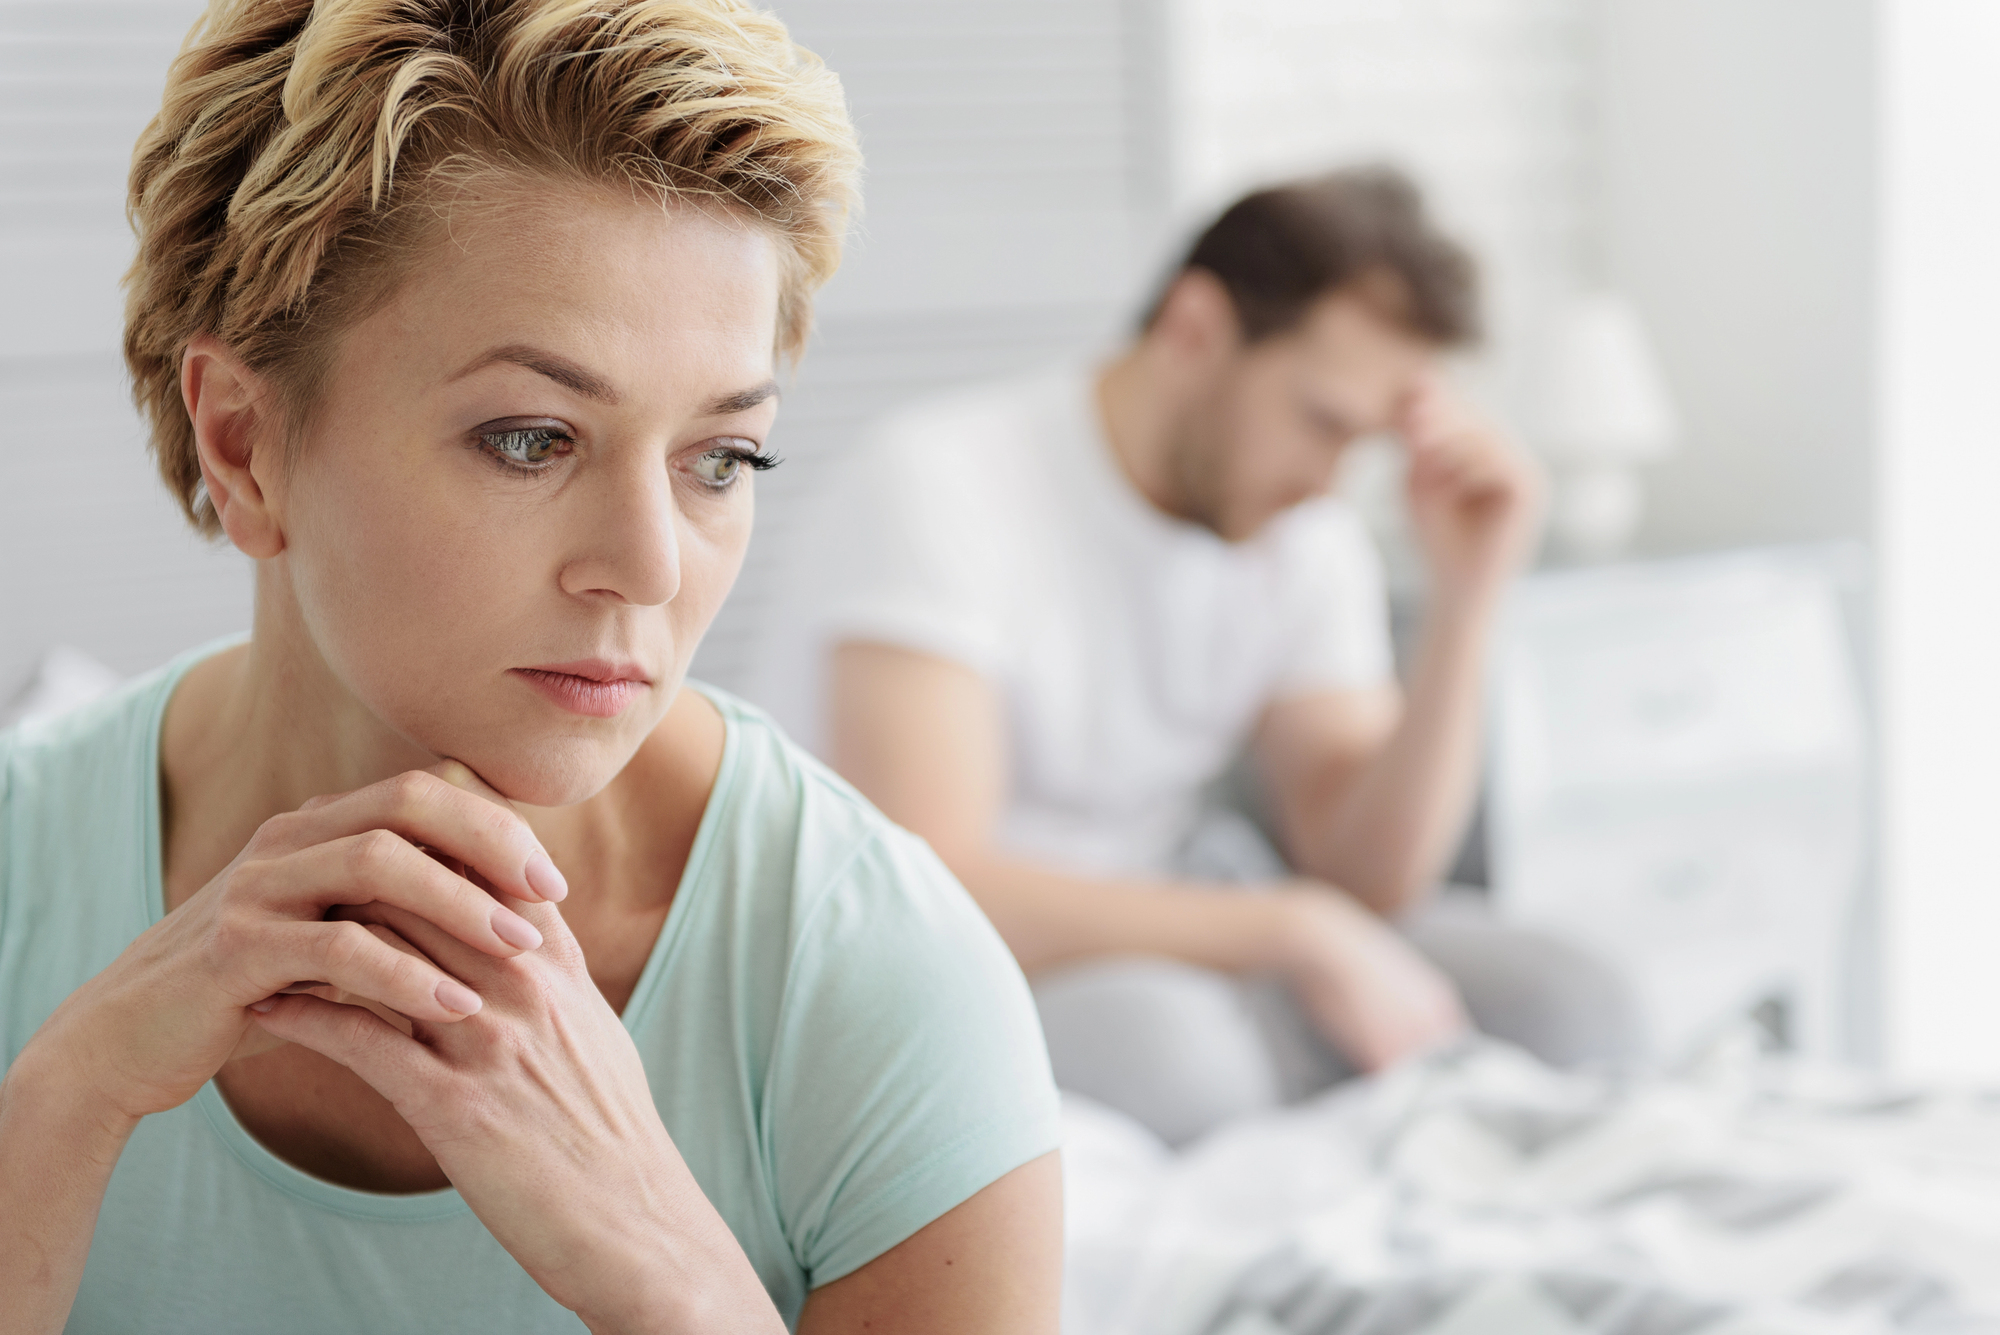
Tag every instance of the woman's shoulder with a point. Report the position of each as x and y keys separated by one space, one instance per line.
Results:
x=803 y=817
x=84 y=753
x=873 y=912
x=854 y=887
x=900 y=1067
x=75 y=759
x=78 y=824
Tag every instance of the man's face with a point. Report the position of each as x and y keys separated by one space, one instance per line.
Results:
x=1278 y=415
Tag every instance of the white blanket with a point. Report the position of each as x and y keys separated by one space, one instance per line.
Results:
x=1479 y=1193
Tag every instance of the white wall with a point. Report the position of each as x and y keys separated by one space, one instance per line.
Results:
x=1487 y=102
x=1938 y=508
x=1738 y=211
x=1802 y=196
x=97 y=555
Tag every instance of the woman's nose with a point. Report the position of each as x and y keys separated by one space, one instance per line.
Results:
x=630 y=541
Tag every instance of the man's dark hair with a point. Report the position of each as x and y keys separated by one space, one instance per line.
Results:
x=1279 y=250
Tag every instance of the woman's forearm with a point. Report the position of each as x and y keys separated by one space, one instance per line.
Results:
x=58 y=1145
x=676 y=1267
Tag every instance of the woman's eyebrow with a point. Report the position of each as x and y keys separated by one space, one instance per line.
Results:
x=743 y=401
x=558 y=368
x=572 y=376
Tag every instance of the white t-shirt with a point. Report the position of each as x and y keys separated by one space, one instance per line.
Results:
x=1133 y=652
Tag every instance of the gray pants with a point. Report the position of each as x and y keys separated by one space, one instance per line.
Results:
x=1184 y=1049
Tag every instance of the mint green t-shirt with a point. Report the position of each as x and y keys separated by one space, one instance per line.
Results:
x=836 y=1039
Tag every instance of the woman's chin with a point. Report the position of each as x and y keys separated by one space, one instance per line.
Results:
x=557 y=773
x=528 y=753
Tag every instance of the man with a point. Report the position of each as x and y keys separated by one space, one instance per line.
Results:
x=1049 y=614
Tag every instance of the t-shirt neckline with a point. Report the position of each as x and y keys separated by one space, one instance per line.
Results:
x=421 y=1206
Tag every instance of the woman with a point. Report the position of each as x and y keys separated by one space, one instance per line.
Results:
x=461 y=317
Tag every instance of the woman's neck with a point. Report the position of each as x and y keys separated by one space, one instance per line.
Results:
x=262 y=728
x=255 y=731
x=628 y=844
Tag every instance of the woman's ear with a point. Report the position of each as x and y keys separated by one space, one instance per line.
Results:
x=235 y=439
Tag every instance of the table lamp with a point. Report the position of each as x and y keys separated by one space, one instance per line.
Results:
x=1599 y=409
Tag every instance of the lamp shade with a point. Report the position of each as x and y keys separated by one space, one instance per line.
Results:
x=1599 y=395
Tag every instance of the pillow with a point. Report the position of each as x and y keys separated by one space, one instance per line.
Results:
x=66 y=679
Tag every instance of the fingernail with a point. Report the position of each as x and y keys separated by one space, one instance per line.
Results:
x=515 y=930
x=456 y=996
x=544 y=879
x=266 y=1006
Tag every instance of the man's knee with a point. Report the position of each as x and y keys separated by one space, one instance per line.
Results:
x=1167 y=1043
x=1536 y=990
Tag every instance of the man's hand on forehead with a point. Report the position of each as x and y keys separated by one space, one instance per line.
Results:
x=1474 y=498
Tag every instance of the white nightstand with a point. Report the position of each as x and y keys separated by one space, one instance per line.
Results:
x=1678 y=779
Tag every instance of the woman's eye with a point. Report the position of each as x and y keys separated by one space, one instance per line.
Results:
x=718 y=468
x=526 y=447
x=721 y=467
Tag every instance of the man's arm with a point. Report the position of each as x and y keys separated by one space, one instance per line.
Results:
x=1372 y=793
x=922 y=737
x=993 y=1264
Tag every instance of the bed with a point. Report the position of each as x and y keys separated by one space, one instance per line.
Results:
x=1478 y=1192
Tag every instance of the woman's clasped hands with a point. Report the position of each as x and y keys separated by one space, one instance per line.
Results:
x=185 y=996
x=428 y=900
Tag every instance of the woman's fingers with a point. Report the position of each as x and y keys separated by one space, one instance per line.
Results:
x=486 y=835
x=380 y=866
x=346 y=955
x=494 y=978
x=462 y=776
x=421 y=935
x=363 y=1042
x=425 y=936
x=401 y=1021
x=540 y=874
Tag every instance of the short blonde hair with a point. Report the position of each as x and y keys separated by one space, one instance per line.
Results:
x=281 y=192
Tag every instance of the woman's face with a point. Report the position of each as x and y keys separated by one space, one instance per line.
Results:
x=526 y=489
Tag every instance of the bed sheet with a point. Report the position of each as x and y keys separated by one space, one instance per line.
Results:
x=1478 y=1192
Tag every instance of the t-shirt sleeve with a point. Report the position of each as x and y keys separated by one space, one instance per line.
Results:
x=918 y=559
x=909 y=1070
x=6 y=826
x=1337 y=605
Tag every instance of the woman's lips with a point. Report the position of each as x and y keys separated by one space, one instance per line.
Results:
x=595 y=690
